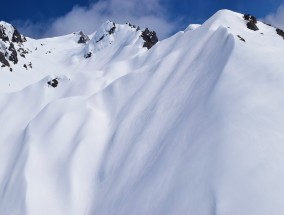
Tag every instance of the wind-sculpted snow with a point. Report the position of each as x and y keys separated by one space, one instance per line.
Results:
x=192 y=126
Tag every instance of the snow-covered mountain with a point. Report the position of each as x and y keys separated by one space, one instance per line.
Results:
x=117 y=123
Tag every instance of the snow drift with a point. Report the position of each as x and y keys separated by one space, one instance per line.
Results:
x=194 y=125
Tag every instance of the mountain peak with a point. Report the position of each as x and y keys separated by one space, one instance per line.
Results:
x=223 y=18
x=9 y=33
x=120 y=34
x=10 y=40
x=193 y=126
x=107 y=28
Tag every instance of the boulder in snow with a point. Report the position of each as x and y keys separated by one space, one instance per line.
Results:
x=53 y=82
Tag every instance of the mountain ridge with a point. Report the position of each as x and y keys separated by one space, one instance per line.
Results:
x=192 y=126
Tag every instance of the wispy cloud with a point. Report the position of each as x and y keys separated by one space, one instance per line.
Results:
x=145 y=13
x=277 y=18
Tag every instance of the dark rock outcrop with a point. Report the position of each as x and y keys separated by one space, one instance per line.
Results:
x=280 y=32
x=101 y=38
x=3 y=60
x=23 y=51
x=112 y=29
x=88 y=55
x=252 y=26
x=149 y=37
x=107 y=31
x=13 y=56
x=83 y=38
x=133 y=26
x=17 y=37
x=53 y=83
x=253 y=19
x=3 y=35
x=130 y=25
x=8 y=41
x=246 y=17
x=242 y=39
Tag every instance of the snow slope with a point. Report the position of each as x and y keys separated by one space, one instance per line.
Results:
x=195 y=125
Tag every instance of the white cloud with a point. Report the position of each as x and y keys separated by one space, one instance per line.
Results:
x=145 y=13
x=277 y=18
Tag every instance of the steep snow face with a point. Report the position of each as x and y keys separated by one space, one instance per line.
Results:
x=192 y=126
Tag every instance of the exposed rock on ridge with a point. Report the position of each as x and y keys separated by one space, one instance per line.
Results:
x=9 y=38
x=149 y=37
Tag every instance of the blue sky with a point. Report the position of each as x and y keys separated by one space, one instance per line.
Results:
x=56 y=17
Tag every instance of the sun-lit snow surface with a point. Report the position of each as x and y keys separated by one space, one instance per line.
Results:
x=193 y=126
